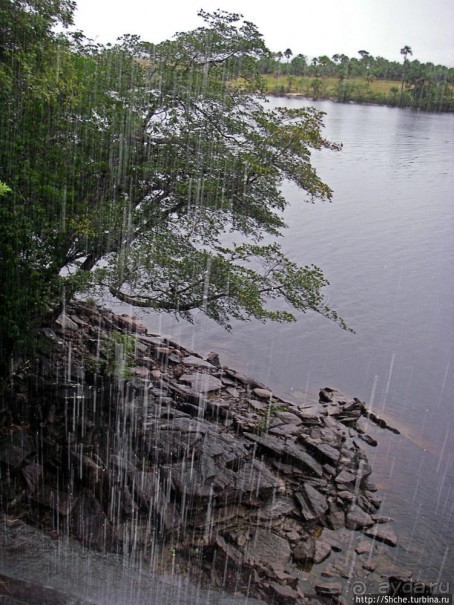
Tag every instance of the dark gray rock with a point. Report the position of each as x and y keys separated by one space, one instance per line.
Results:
x=290 y=452
x=313 y=504
x=197 y=362
x=62 y=503
x=151 y=495
x=260 y=406
x=335 y=516
x=329 y=589
x=326 y=396
x=383 y=532
x=66 y=322
x=345 y=477
x=369 y=440
x=213 y=358
x=290 y=418
x=15 y=448
x=229 y=550
x=322 y=550
x=263 y=393
x=364 y=547
x=33 y=474
x=304 y=551
x=202 y=383
x=255 y=480
x=90 y=524
x=267 y=548
x=283 y=594
x=322 y=452
x=357 y=518
x=278 y=508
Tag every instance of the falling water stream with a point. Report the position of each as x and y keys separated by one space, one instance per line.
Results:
x=385 y=244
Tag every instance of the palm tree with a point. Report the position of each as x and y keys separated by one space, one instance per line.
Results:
x=405 y=51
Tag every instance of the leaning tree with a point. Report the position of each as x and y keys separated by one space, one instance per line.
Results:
x=155 y=172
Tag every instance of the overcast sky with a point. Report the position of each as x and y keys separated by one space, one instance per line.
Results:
x=311 y=27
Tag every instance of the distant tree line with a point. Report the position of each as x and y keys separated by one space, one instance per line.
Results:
x=422 y=85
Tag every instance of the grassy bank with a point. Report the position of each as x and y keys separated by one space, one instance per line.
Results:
x=362 y=90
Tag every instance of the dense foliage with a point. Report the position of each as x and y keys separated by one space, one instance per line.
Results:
x=124 y=166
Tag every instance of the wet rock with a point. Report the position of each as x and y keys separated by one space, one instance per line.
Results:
x=213 y=358
x=329 y=589
x=369 y=502
x=377 y=420
x=61 y=502
x=260 y=406
x=313 y=503
x=335 y=516
x=254 y=480
x=322 y=452
x=289 y=452
x=13 y=455
x=202 y=383
x=284 y=430
x=90 y=524
x=131 y=324
x=322 y=550
x=170 y=439
x=280 y=507
x=310 y=415
x=246 y=380
x=157 y=341
x=140 y=371
x=209 y=476
x=197 y=362
x=15 y=448
x=369 y=440
x=371 y=564
x=304 y=551
x=33 y=474
x=283 y=594
x=66 y=322
x=335 y=538
x=357 y=518
x=383 y=532
x=364 y=547
x=263 y=393
x=325 y=396
x=284 y=577
x=150 y=495
x=267 y=548
x=121 y=463
x=290 y=418
x=345 y=477
x=229 y=550
x=217 y=409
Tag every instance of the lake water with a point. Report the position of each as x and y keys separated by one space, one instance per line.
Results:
x=386 y=245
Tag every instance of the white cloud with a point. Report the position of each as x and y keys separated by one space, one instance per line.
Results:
x=313 y=28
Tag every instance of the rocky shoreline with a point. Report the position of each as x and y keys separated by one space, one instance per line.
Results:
x=134 y=444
